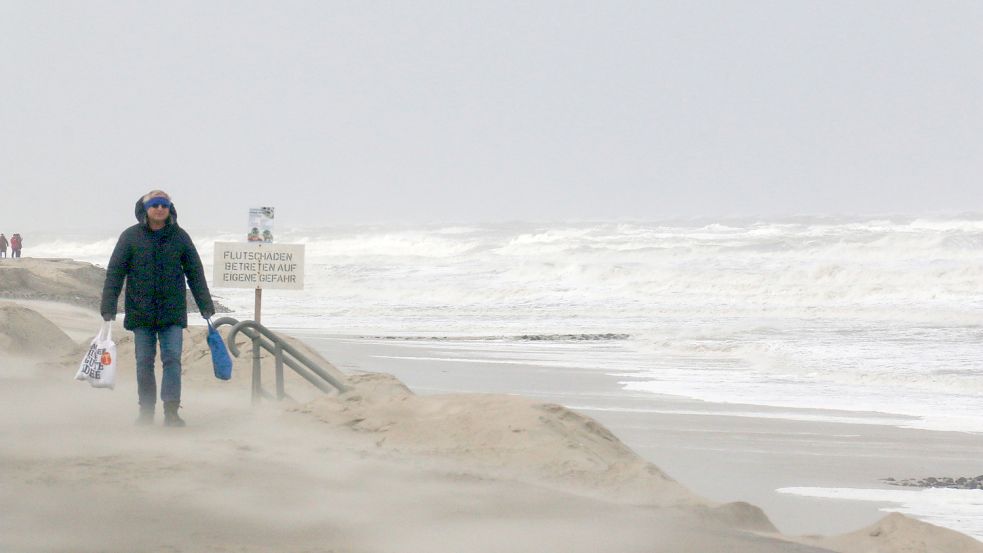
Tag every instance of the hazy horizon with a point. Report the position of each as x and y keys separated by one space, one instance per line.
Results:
x=424 y=113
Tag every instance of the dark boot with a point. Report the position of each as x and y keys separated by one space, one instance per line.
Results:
x=171 y=418
x=146 y=415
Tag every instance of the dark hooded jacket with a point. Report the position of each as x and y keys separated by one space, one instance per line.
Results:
x=155 y=266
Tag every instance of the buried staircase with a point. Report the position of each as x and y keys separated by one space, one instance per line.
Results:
x=327 y=379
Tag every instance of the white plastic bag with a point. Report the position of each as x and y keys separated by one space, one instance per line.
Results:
x=99 y=364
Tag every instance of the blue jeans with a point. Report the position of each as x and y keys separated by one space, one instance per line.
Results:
x=171 y=340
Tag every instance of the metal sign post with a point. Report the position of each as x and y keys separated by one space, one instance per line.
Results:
x=258 y=305
x=257 y=362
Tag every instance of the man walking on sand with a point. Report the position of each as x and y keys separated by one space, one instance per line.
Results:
x=3 y=245
x=156 y=257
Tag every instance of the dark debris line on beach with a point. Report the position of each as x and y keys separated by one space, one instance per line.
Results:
x=521 y=338
x=960 y=483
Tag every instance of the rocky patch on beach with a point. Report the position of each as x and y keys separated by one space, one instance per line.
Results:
x=957 y=483
x=596 y=337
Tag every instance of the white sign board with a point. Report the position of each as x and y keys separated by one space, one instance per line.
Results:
x=258 y=265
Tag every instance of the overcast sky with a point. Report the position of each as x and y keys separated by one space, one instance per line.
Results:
x=348 y=112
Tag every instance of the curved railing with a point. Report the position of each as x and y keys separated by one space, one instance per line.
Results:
x=326 y=380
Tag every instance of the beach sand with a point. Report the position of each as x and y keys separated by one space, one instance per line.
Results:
x=376 y=469
x=725 y=452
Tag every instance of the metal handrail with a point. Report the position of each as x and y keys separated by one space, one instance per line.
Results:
x=263 y=337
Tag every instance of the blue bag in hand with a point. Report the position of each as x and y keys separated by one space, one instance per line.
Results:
x=220 y=354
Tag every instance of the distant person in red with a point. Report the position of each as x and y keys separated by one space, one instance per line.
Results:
x=3 y=245
x=16 y=243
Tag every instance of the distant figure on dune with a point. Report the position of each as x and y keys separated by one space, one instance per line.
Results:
x=158 y=261
x=3 y=245
x=16 y=243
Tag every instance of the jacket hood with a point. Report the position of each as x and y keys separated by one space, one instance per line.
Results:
x=141 y=213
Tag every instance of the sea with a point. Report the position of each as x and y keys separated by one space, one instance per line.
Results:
x=865 y=314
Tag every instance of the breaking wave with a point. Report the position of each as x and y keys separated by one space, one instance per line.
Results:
x=885 y=311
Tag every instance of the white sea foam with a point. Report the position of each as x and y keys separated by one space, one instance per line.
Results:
x=960 y=510
x=871 y=315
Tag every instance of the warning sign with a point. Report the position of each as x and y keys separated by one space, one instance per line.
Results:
x=258 y=265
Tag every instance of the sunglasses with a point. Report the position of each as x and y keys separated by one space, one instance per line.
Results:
x=157 y=203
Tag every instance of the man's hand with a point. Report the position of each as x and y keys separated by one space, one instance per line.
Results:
x=207 y=313
x=109 y=317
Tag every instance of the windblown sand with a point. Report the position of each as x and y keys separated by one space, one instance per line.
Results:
x=375 y=469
